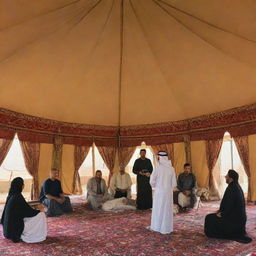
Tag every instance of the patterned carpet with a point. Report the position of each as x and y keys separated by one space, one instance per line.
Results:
x=85 y=232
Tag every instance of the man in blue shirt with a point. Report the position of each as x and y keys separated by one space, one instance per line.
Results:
x=52 y=196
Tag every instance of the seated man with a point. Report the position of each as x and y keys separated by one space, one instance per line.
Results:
x=52 y=196
x=186 y=185
x=230 y=220
x=97 y=191
x=120 y=184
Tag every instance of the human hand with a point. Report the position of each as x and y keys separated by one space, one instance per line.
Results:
x=40 y=207
x=148 y=174
x=218 y=214
x=60 y=200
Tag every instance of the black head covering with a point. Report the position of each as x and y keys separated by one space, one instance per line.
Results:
x=233 y=174
x=16 y=186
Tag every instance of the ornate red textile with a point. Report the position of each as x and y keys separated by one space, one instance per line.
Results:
x=125 y=155
x=213 y=148
x=238 y=121
x=31 y=153
x=80 y=153
x=165 y=147
x=109 y=155
x=243 y=151
x=5 y=145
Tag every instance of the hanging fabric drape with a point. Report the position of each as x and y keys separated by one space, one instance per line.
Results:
x=213 y=148
x=80 y=153
x=5 y=145
x=125 y=154
x=243 y=151
x=31 y=153
x=165 y=147
x=108 y=155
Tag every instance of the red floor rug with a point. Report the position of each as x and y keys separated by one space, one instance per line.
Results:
x=85 y=232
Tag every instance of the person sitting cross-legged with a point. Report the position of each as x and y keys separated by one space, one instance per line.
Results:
x=121 y=183
x=19 y=220
x=229 y=222
x=52 y=196
x=186 y=185
x=97 y=191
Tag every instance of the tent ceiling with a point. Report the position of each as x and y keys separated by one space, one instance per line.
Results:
x=129 y=62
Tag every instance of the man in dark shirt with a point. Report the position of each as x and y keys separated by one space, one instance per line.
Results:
x=143 y=168
x=230 y=220
x=186 y=185
x=52 y=196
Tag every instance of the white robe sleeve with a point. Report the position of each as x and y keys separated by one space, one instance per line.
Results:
x=174 y=181
x=153 y=179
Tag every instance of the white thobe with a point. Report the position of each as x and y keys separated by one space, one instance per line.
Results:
x=163 y=181
x=35 y=229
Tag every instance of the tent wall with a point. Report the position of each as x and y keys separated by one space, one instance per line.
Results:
x=179 y=157
x=68 y=168
x=45 y=163
x=199 y=163
x=252 y=162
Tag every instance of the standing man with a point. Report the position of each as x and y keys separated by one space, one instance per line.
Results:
x=187 y=188
x=143 y=168
x=120 y=184
x=53 y=197
x=229 y=221
x=163 y=181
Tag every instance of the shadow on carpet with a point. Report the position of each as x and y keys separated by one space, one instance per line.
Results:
x=124 y=233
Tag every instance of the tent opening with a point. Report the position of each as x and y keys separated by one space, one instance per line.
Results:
x=229 y=159
x=91 y=164
x=14 y=166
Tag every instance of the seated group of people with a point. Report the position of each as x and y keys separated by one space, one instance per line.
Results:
x=98 y=196
x=21 y=222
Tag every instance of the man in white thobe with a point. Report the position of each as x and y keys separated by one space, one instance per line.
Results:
x=163 y=181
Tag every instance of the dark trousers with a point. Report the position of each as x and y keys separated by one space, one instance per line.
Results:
x=54 y=208
x=120 y=194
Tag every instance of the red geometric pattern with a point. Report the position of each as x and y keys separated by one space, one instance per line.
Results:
x=238 y=121
x=124 y=233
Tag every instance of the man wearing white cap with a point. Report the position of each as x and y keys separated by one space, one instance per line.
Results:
x=163 y=181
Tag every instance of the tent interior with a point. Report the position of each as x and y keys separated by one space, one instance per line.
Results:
x=85 y=84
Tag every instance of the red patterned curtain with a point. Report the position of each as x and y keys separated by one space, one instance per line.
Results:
x=5 y=145
x=108 y=154
x=243 y=151
x=125 y=154
x=80 y=153
x=213 y=148
x=165 y=147
x=31 y=153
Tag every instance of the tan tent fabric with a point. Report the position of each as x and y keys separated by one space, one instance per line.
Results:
x=142 y=56
x=179 y=157
x=252 y=162
x=199 y=163
x=68 y=169
x=45 y=163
